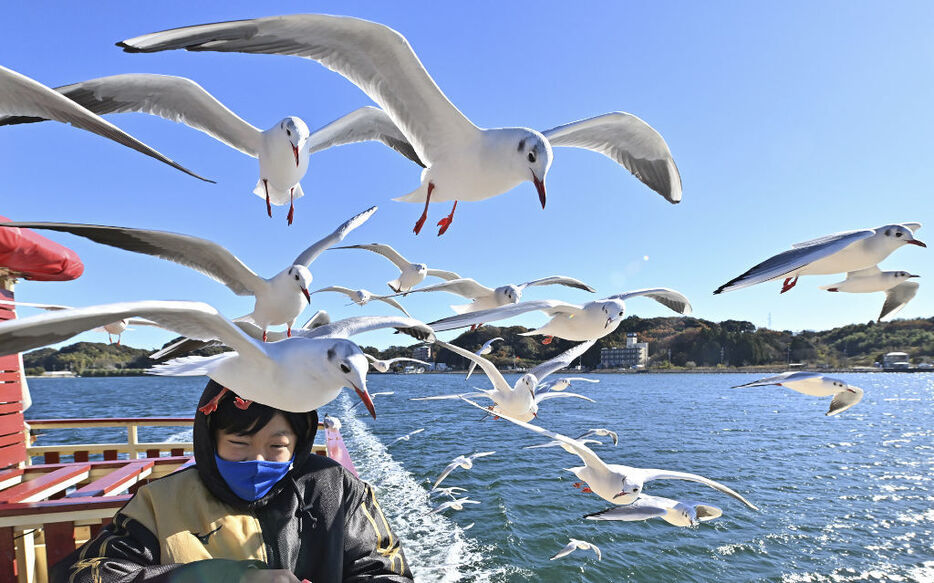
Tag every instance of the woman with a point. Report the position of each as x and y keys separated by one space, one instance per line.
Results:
x=256 y=507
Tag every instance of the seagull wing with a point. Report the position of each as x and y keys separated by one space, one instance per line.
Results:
x=666 y=297
x=50 y=307
x=193 y=319
x=464 y=286
x=310 y=254
x=393 y=303
x=202 y=255
x=801 y=255
x=488 y=367
x=500 y=313
x=174 y=98
x=22 y=96
x=385 y=250
x=374 y=57
x=629 y=141
x=487 y=394
x=653 y=474
x=844 y=400
x=913 y=227
x=406 y=359
x=336 y=288
x=563 y=360
x=558 y=280
x=350 y=326
x=447 y=471
x=897 y=297
x=362 y=125
x=447 y=275
x=567 y=550
x=644 y=508
x=781 y=378
x=555 y=395
x=320 y=318
x=582 y=451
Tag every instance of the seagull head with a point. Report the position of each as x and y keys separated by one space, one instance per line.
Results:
x=629 y=490
x=613 y=310
x=902 y=275
x=528 y=156
x=899 y=235
x=301 y=278
x=296 y=132
x=507 y=294
x=348 y=364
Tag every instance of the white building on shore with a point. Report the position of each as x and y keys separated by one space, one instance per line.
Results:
x=634 y=354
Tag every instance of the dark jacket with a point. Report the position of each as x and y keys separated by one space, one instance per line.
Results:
x=320 y=522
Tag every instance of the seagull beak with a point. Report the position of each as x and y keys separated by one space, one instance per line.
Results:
x=367 y=401
x=607 y=325
x=914 y=276
x=540 y=187
x=621 y=494
x=917 y=242
x=307 y=295
x=295 y=151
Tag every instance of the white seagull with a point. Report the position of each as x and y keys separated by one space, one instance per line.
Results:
x=898 y=290
x=615 y=483
x=463 y=161
x=602 y=432
x=838 y=253
x=590 y=321
x=671 y=511
x=297 y=374
x=372 y=396
x=384 y=365
x=565 y=382
x=815 y=385
x=282 y=150
x=22 y=96
x=578 y=544
x=485 y=297
x=456 y=504
x=362 y=297
x=556 y=443
x=112 y=329
x=487 y=348
x=449 y=491
x=331 y=423
x=407 y=436
x=465 y=462
x=522 y=399
x=279 y=299
x=411 y=274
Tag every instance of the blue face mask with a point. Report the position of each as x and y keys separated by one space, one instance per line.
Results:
x=251 y=480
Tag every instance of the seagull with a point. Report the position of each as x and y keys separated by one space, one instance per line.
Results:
x=591 y=321
x=815 y=385
x=484 y=350
x=671 y=511
x=279 y=299
x=565 y=382
x=463 y=161
x=332 y=423
x=602 y=432
x=578 y=544
x=296 y=374
x=384 y=365
x=555 y=443
x=113 y=329
x=520 y=400
x=615 y=483
x=20 y=95
x=408 y=436
x=465 y=462
x=372 y=396
x=450 y=491
x=282 y=150
x=838 y=253
x=898 y=290
x=456 y=504
x=362 y=297
x=411 y=274
x=485 y=298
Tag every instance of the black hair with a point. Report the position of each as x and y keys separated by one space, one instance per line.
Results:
x=230 y=418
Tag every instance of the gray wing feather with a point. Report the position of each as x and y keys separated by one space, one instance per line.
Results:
x=464 y=287
x=629 y=141
x=558 y=280
x=310 y=254
x=493 y=314
x=199 y=254
x=563 y=360
x=667 y=297
x=897 y=297
x=362 y=125
x=447 y=275
x=350 y=326
x=385 y=250
x=22 y=96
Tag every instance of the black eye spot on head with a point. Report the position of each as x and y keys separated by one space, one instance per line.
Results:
x=521 y=145
x=331 y=353
x=345 y=368
x=888 y=232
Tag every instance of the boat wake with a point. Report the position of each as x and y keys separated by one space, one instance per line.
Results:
x=436 y=547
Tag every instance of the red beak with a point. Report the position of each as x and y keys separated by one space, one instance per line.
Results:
x=295 y=151
x=540 y=187
x=307 y=295
x=917 y=242
x=367 y=401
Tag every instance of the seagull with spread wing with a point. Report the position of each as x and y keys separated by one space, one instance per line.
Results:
x=384 y=365
x=645 y=507
x=463 y=161
x=410 y=274
x=898 y=290
x=112 y=329
x=362 y=297
x=815 y=385
x=461 y=461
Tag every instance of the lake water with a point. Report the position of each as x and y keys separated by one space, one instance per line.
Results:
x=844 y=498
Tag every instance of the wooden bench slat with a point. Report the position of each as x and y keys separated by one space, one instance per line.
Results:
x=12 y=454
x=116 y=481
x=14 y=407
x=43 y=487
x=10 y=477
x=11 y=392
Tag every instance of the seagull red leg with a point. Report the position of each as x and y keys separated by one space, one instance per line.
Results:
x=547 y=340
x=264 y=335
x=421 y=220
x=211 y=405
x=789 y=283
x=268 y=204
x=291 y=206
x=242 y=404
x=288 y=332
x=446 y=221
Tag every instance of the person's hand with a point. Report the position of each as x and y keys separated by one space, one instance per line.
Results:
x=268 y=576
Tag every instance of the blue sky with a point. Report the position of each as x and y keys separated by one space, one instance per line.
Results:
x=788 y=121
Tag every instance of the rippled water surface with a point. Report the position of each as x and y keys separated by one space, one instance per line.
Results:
x=844 y=498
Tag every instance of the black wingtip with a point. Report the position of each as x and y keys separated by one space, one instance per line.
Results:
x=127 y=48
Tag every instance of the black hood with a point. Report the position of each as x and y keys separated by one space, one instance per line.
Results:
x=304 y=424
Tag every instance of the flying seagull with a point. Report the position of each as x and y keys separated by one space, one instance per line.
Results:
x=815 y=385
